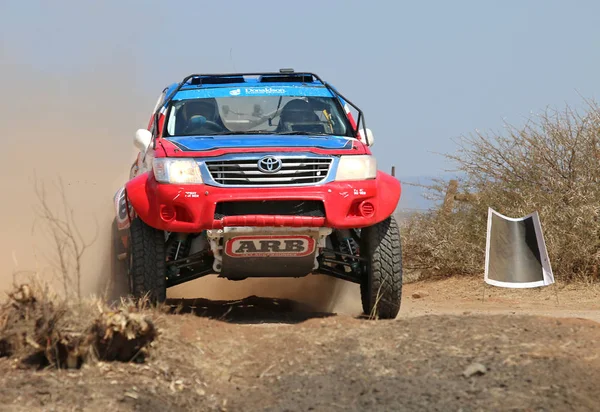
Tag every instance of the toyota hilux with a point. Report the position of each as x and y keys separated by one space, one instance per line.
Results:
x=271 y=174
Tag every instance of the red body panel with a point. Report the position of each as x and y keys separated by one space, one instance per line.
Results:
x=193 y=213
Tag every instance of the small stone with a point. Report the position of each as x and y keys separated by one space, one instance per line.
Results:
x=131 y=395
x=419 y=294
x=474 y=369
x=176 y=386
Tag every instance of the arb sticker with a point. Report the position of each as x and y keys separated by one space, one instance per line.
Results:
x=270 y=246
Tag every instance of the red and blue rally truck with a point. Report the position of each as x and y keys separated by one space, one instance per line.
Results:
x=259 y=175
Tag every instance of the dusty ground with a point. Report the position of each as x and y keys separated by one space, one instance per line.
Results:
x=466 y=296
x=270 y=354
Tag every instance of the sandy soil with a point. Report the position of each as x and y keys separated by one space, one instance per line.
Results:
x=466 y=296
x=526 y=351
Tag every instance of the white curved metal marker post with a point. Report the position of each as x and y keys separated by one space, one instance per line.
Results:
x=516 y=255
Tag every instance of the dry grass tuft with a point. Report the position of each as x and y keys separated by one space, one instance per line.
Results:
x=550 y=165
x=40 y=329
x=122 y=335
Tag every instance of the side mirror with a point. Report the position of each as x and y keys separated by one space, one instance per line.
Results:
x=370 y=139
x=142 y=139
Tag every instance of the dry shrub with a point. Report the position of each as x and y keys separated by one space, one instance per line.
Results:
x=41 y=329
x=69 y=244
x=549 y=165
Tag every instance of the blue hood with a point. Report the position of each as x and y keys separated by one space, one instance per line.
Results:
x=203 y=143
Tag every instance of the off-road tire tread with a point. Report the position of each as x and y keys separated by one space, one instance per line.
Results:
x=381 y=244
x=148 y=267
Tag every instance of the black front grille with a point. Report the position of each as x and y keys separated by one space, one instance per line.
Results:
x=312 y=208
x=245 y=172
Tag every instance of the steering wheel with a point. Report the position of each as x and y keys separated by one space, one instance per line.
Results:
x=210 y=124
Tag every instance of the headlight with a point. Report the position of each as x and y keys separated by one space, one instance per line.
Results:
x=358 y=167
x=178 y=171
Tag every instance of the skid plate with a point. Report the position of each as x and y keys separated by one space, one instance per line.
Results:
x=265 y=253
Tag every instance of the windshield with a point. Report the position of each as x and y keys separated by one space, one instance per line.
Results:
x=215 y=116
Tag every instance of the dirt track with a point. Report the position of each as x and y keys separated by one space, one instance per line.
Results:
x=265 y=354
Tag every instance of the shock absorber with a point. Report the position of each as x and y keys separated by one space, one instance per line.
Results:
x=177 y=246
x=348 y=245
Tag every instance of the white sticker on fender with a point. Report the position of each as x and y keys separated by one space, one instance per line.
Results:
x=270 y=246
x=122 y=216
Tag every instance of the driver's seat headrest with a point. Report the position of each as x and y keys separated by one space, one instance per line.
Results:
x=298 y=110
x=205 y=107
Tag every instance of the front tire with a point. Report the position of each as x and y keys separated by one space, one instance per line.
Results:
x=381 y=283
x=147 y=267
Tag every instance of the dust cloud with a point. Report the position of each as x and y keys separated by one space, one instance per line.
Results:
x=79 y=128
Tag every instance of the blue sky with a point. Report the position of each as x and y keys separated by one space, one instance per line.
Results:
x=423 y=71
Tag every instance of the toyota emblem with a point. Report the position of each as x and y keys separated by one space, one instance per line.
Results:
x=269 y=164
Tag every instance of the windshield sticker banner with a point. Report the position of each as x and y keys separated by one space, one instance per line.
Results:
x=254 y=91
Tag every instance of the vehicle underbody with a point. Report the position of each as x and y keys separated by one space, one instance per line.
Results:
x=192 y=256
x=371 y=257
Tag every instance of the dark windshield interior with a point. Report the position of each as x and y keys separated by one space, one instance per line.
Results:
x=319 y=116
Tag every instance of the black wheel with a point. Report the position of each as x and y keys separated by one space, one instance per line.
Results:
x=381 y=283
x=147 y=268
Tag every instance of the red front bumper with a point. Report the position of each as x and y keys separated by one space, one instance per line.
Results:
x=191 y=208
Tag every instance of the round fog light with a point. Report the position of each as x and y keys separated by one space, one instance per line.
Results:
x=367 y=209
x=167 y=213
